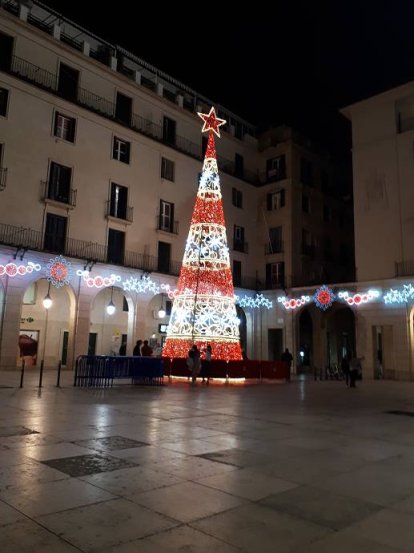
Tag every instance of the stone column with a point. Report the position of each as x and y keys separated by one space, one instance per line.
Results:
x=11 y=323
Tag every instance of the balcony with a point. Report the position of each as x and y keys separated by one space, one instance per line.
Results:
x=274 y=247
x=166 y=225
x=239 y=246
x=21 y=237
x=54 y=195
x=119 y=212
x=48 y=81
x=404 y=268
x=3 y=178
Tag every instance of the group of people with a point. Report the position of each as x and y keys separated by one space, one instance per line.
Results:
x=194 y=363
x=141 y=349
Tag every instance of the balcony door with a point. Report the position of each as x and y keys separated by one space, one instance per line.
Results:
x=6 y=52
x=59 y=183
x=116 y=246
x=55 y=233
x=68 y=82
x=164 y=257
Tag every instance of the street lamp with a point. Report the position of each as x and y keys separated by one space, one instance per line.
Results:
x=110 y=308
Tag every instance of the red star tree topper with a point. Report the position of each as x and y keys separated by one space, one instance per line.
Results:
x=204 y=310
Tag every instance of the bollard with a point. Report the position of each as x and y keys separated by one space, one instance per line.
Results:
x=58 y=375
x=41 y=373
x=22 y=375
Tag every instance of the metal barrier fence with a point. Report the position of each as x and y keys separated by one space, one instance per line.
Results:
x=102 y=370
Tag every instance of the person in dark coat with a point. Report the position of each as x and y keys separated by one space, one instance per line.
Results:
x=345 y=369
x=122 y=349
x=137 y=349
x=287 y=357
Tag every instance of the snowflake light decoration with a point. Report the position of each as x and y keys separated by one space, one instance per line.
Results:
x=324 y=297
x=59 y=271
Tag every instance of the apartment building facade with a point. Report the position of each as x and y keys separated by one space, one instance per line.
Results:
x=100 y=155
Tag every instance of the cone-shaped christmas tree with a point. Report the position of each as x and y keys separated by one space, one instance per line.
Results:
x=204 y=310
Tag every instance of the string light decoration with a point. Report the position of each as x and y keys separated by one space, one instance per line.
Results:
x=324 y=297
x=204 y=308
x=293 y=303
x=98 y=281
x=359 y=298
x=13 y=270
x=59 y=271
x=401 y=295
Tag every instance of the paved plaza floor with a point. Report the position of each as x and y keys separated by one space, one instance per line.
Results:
x=309 y=467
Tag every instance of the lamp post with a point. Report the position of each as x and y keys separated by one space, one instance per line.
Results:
x=47 y=304
x=161 y=310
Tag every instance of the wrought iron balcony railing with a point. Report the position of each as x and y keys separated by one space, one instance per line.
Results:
x=52 y=192
x=166 y=225
x=240 y=246
x=275 y=246
x=123 y=212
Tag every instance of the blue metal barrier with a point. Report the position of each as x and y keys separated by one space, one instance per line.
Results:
x=102 y=370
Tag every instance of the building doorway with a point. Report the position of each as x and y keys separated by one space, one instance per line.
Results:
x=275 y=343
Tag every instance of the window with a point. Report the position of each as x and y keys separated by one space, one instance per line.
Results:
x=238 y=166
x=276 y=168
x=116 y=246
x=237 y=272
x=166 y=217
x=121 y=150
x=237 y=197
x=4 y=97
x=55 y=233
x=123 y=108
x=169 y=130
x=59 y=183
x=275 y=240
x=324 y=181
x=6 y=51
x=238 y=239
x=307 y=243
x=305 y=204
x=64 y=127
x=306 y=172
x=275 y=275
x=275 y=200
x=327 y=213
x=119 y=201
x=167 y=169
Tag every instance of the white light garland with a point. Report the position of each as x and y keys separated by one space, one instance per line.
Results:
x=399 y=296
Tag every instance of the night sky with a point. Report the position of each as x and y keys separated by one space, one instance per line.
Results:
x=296 y=62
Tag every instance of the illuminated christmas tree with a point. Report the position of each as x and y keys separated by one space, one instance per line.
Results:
x=204 y=310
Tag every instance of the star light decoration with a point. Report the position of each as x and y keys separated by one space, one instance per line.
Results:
x=254 y=302
x=211 y=121
x=59 y=271
x=204 y=309
x=401 y=295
